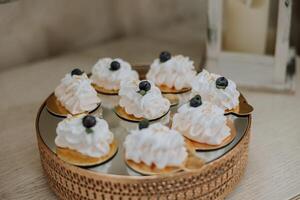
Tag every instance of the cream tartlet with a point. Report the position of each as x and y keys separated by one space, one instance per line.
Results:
x=76 y=94
x=84 y=140
x=142 y=99
x=155 y=146
x=216 y=89
x=172 y=73
x=108 y=73
x=202 y=122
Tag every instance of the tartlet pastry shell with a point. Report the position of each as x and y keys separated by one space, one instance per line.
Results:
x=191 y=163
x=120 y=111
x=144 y=169
x=102 y=90
x=205 y=147
x=165 y=89
x=243 y=109
x=76 y=158
x=56 y=108
x=173 y=98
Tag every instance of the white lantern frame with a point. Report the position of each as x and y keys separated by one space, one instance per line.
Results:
x=254 y=71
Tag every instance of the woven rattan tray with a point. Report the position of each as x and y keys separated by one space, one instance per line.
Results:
x=215 y=180
x=114 y=180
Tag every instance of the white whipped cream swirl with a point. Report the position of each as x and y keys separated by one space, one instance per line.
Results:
x=204 y=84
x=204 y=124
x=72 y=134
x=156 y=145
x=104 y=77
x=76 y=94
x=151 y=106
x=176 y=72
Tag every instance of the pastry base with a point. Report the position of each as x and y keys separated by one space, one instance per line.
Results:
x=75 y=158
x=172 y=98
x=206 y=147
x=102 y=90
x=191 y=163
x=120 y=111
x=167 y=90
x=57 y=109
x=243 y=109
x=144 y=169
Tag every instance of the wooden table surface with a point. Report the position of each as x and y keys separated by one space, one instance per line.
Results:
x=273 y=171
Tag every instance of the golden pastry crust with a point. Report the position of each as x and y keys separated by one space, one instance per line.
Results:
x=167 y=90
x=144 y=169
x=102 y=90
x=120 y=111
x=56 y=108
x=191 y=163
x=243 y=109
x=173 y=98
x=202 y=146
x=76 y=158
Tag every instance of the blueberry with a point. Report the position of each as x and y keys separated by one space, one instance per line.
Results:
x=221 y=83
x=164 y=56
x=76 y=71
x=89 y=121
x=197 y=97
x=145 y=85
x=143 y=124
x=114 y=66
x=196 y=101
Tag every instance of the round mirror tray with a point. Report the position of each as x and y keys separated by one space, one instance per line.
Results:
x=115 y=180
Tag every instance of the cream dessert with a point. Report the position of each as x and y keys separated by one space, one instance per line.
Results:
x=172 y=71
x=202 y=122
x=216 y=89
x=108 y=73
x=85 y=134
x=143 y=99
x=76 y=93
x=155 y=145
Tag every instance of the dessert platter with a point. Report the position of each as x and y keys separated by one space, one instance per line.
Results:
x=168 y=133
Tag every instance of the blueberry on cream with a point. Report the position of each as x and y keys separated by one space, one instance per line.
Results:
x=164 y=56
x=221 y=83
x=144 y=87
x=88 y=122
x=196 y=101
x=114 y=66
x=77 y=72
